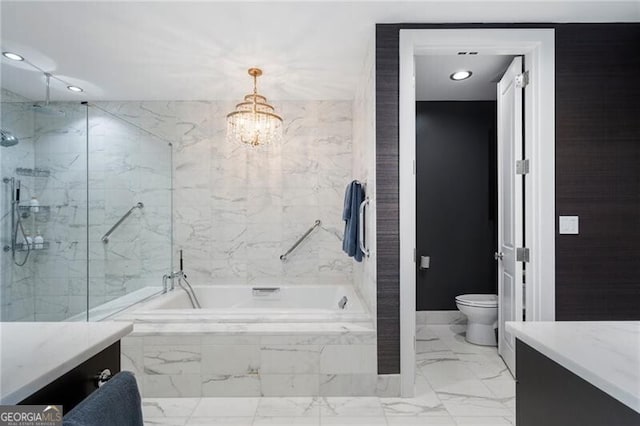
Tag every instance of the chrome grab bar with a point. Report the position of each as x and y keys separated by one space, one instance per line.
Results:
x=300 y=240
x=105 y=237
x=364 y=249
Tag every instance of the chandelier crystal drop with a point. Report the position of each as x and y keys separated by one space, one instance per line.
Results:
x=254 y=122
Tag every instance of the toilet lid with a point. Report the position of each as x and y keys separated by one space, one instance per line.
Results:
x=482 y=300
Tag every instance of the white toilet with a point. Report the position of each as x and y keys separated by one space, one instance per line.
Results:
x=482 y=317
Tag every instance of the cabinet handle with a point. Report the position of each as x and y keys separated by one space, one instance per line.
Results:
x=103 y=377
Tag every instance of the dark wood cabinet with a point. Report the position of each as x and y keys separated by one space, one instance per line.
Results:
x=74 y=386
x=548 y=394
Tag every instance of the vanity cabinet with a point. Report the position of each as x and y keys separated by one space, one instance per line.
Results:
x=74 y=386
x=548 y=394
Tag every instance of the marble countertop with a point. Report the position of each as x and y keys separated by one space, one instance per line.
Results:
x=606 y=354
x=33 y=354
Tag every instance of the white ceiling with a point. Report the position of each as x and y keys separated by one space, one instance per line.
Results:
x=148 y=50
x=433 y=82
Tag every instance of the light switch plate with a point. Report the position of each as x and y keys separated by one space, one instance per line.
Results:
x=569 y=225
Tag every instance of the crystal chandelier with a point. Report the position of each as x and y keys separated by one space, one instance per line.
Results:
x=254 y=122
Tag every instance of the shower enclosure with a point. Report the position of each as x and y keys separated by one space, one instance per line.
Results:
x=71 y=172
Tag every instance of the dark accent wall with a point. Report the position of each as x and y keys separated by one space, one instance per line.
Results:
x=455 y=201
x=387 y=200
x=598 y=171
x=597 y=174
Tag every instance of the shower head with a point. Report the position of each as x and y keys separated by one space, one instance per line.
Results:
x=46 y=109
x=7 y=138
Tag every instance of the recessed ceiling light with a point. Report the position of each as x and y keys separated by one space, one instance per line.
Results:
x=460 y=75
x=75 y=88
x=12 y=56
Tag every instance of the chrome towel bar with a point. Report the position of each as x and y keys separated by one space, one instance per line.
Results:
x=300 y=240
x=105 y=237
x=361 y=241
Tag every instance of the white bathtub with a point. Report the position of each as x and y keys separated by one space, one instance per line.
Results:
x=234 y=303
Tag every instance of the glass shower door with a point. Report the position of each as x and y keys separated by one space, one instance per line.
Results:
x=129 y=212
x=44 y=213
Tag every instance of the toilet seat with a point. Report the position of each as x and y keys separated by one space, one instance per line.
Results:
x=478 y=300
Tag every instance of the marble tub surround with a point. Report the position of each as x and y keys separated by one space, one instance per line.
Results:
x=240 y=304
x=606 y=354
x=460 y=388
x=261 y=359
x=32 y=356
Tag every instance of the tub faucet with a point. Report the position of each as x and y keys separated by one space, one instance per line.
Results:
x=171 y=276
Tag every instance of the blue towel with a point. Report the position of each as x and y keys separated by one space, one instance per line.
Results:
x=353 y=197
x=117 y=402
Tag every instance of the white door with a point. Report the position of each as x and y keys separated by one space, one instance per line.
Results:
x=510 y=209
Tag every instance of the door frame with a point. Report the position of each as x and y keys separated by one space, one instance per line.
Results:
x=538 y=48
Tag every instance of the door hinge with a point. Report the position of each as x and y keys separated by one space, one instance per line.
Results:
x=414 y=167
x=414 y=255
x=522 y=167
x=522 y=80
x=522 y=254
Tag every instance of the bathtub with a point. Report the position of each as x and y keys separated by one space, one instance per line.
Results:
x=293 y=341
x=235 y=303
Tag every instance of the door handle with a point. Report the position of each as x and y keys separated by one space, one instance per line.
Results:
x=498 y=255
x=425 y=262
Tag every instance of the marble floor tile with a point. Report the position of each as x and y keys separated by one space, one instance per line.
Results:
x=473 y=387
x=226 y=407
x=287 y=421
x=501 y=388
x=486 y=366
x=465 y=405
x=222 y=421
x=425 y=405
x=350 y=406
x=168 y=407
x=421 y=421
x=288 y=407
x=483 y=421
x=444 y=373
x=353 y=421
x=165 y=421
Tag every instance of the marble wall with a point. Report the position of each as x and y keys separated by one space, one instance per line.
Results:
x=363 y=164
x=236 y=209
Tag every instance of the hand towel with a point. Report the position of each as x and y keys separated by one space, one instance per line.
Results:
x=353 y=197
x=117 y=402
